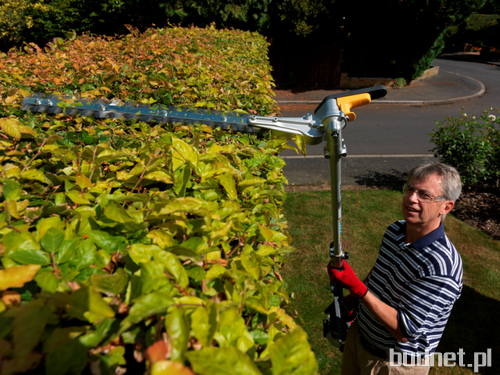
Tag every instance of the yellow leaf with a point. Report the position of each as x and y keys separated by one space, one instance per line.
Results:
x=24 y=93
x=11 y=298
x=10 y=99
x=83 y=181
x=16 y=277
x=167 y=367
x=11 y=127
x=284 y=317
x=11 y=206
x=26 y=129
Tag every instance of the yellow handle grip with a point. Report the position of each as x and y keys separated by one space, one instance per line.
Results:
x=347 y=102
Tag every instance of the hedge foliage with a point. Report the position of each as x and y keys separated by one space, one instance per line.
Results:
x=143 y=247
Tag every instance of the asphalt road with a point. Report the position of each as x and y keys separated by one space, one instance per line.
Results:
x=387 y=140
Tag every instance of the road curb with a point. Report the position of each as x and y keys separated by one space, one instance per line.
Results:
x=415 y=103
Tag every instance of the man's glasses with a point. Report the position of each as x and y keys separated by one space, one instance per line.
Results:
x=422 y=195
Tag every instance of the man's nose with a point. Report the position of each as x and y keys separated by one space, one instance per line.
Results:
x=414 y=196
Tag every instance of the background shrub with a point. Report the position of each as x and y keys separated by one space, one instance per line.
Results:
x=470 y=144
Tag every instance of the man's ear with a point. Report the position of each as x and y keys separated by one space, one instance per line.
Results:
x=447 y=207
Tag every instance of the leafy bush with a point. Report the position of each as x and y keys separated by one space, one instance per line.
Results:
x=470 y=144
x=136 y=246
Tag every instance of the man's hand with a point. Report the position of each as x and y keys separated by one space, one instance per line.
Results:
x=347 y=278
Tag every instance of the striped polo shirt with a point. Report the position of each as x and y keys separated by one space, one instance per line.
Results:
x=422 y=281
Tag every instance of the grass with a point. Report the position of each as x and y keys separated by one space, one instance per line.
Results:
x=366 y=214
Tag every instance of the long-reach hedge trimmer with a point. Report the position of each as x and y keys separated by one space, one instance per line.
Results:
x=327 y=123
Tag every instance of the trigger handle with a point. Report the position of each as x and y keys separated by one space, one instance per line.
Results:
x=347 y=102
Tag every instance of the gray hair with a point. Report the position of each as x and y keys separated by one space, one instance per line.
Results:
x=452 y=185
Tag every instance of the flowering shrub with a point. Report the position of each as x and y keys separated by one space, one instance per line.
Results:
x=471 y=144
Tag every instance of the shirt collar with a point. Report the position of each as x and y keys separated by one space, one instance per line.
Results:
x=428 y=239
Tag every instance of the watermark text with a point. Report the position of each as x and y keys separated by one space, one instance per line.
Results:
x=447 y=359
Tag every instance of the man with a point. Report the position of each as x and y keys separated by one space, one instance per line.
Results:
x=407 y=298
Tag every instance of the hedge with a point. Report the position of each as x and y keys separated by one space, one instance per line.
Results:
x=128 y=246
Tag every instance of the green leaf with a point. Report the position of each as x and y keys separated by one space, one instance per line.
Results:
x=159 y=176
x=62 y=336
x=31 y=257
x=173 y=265
x=196 y=273
x=87 y=304
x=145 y=306
x=85 y=255
x=108 y=155
x=216 y=271
x=50 y=222
x=182 y=153
x=292 y=354
x=222 y=361
x=114 y=358
x=161 y=238
x=52 y=240
x=204 y=322
x=11 y=170
x=252 y=181
x=77 y=197
x=108 y=242
x=257 y=304
x=182 y=176
x=231 y=328
x=93 y=338
x=260 y=337
x=14 y=241
x=11 y=190
x=47 y=281
x=153 y=276
x=67 y=251
x=184 y=253
x=177 y=326
x=115 y=212
x=34 y=174
x=67 y=358
x=29 y=323
x=300 y=142
x=252 y=264
x=227 y=181
x=188 y=204
x=110 y=285
x=141 y=253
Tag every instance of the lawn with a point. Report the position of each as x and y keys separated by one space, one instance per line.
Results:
x=366 y=214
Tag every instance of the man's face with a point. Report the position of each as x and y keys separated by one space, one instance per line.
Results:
x=419 y=206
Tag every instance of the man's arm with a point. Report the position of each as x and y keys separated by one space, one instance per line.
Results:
x=385 y=314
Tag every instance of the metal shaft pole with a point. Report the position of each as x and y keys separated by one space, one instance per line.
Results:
x=334 y=151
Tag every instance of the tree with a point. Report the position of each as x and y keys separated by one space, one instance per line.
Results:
x=400 y=38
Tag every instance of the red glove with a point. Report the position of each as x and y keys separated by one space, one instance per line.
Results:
x=347 y=278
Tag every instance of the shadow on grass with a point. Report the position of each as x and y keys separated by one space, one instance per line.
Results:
x=393 y=180
x=474 y=327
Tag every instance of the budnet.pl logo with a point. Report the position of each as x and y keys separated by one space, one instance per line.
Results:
x=446 y=359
